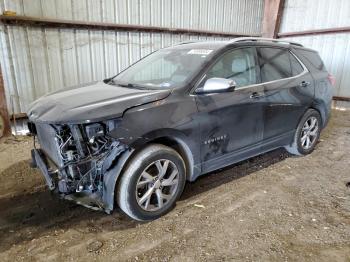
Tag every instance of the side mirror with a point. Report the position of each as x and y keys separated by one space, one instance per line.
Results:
x=217 y=85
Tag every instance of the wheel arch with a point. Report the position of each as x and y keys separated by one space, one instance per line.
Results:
x=180 y=147
x=171 y=138
x=321 y=109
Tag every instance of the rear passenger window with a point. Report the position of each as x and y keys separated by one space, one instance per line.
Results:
x=274 y=64
x=297 y=68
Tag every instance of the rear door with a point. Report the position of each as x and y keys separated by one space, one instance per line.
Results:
x=323 y=87
x=289 y=90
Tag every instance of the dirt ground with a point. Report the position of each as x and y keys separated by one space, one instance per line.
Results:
x=273 y=207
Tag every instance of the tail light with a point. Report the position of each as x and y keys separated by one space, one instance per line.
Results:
x=331 y=79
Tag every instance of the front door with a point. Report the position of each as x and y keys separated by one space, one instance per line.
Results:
x=231 y=123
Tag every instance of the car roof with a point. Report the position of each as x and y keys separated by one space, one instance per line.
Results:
x=214 y=45
x=240 y=41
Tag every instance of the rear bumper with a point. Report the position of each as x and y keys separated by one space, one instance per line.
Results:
x=327 y=115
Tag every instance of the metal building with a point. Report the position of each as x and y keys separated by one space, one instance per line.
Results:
x=38 y=60
x=54 y=44
x=324 y=26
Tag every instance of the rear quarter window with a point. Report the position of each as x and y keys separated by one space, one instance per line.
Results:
x=312 y=60
x=297 y=68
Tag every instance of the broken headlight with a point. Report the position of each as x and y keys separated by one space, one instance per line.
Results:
x=96 y=134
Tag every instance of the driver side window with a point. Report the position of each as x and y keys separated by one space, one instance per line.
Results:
x=239 y=65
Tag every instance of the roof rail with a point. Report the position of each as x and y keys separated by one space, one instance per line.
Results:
x=242 y=39
x=187 y=42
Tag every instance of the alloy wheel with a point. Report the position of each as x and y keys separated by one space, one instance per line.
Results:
x=157 y=185
x=309 y=133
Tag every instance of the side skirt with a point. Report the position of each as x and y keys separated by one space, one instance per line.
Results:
x=246 y=153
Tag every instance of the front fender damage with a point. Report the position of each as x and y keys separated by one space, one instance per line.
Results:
x=110 y=180
x=104 y=198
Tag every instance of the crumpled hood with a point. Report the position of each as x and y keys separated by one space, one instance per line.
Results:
x=90 y=103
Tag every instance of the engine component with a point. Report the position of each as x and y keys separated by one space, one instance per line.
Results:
x=82 y=154
x=94 y=130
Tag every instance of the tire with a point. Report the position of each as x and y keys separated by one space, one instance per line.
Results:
x=145 y=192
x=300 y=145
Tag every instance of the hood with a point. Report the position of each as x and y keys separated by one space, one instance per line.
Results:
x=90 y=103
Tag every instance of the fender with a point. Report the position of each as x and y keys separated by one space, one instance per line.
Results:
x=187 y=149
x=110 y=180
x=322 y=108
x=111 y=177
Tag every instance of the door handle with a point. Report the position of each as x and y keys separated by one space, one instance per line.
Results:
x=255 y=95
x=304 y=84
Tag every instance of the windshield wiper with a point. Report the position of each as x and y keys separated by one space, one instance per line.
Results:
x=130 y=85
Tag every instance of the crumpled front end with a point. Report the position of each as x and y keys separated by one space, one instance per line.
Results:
x=76 y=160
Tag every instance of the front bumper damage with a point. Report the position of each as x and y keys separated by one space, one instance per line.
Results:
x=99 y=200
x=89 y=180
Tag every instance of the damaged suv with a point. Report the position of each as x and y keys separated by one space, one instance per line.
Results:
x=133 y=140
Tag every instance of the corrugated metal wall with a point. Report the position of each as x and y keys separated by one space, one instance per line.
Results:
x=300 y=15
x=36 y=61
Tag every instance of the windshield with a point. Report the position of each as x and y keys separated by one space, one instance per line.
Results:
x=163 y=69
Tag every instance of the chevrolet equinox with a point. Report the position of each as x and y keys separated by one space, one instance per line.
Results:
x=134 y=139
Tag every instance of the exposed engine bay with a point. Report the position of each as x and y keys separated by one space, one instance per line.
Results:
x=77 y=158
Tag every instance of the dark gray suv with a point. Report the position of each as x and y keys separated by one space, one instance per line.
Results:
x=136 y=138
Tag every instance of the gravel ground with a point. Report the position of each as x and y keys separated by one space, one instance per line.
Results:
x=273 y=207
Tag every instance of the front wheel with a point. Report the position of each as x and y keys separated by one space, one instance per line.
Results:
x=152 y=182
x=307 y=134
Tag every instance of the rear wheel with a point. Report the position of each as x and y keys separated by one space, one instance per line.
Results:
x=151 y=183
x=307 y=134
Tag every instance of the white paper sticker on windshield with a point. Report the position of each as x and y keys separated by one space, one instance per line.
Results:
x=200 y=51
